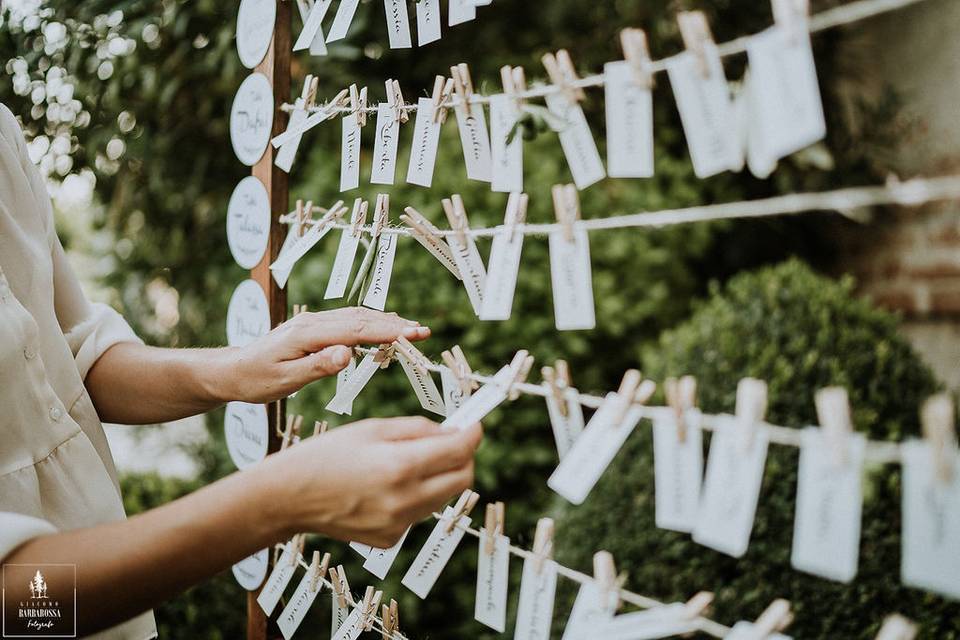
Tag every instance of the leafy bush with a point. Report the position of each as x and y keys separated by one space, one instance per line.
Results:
x=799 y=332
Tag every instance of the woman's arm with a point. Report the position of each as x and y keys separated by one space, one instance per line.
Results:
x=366 y=482
x=134 y=384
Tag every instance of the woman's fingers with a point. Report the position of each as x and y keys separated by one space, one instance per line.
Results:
x=326 y=362
x=432 y=455
x=432 y=493
x=355 y=326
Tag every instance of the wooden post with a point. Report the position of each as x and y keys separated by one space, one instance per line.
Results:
x=276 y=66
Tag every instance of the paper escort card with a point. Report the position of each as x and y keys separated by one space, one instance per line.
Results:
x=339 y=614
x=398 y=24
x=732 y=488
x=428 y=21
x=593 y=451
x=299 y=248
x=475 y=141
x=248 y=315
x=247 y=432
x=350 y=153
x=380 y=560
x=577 y=141
x=423 y=149
x=363 y=549
x=572 y=279
x=251 y=118
x=826 y=534
x=535 y=609
x=566 y=428
x=385 y=145
x=298 y=605
x=931 y=522
x=255 y=22
x=590 y=610
x=461 y=11
x=278 y=580
x=660 y=622
x=424 y=386
x=287 y=152
x=501 y=282
x=342 y=376
x=744 y=631
x=248 y=222
x=506 y=159
x=311 y=26
x=341 y=21
x=453 y=394
x=251 y=571
x=493 y=572
x=705 y=111
x=376 y=296
x=342 y=265
x=435 y=554
x=281 y=276
x=485 y=400
x=678 y=470
x=352 y=627
x=470 y=265
x=342 y=402
x=788 y=111
x=629 y=112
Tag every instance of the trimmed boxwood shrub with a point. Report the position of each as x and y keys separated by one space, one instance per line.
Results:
x=798 y=331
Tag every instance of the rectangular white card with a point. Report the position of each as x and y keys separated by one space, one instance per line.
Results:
x=434 y=555
x=423 y=148
x=380 y=560
x=593 y=451
x=931 y=522
x=282 y=275
x=470 y=266
x=342 y=20
x=279 y=579
x=572 y=278
x=577 y=141
x=493 y=572
x=311 y=26
x=298 y=248
x=352 y=627
x=485 y=400
x=706 y=112
x=475 y=142
x=376 y=296
x=424 y=386
x=342 y=265
x=342 y=401
x=338 y=615
x=502 y=275
x=535 y=609
x=590 y=609
x=298 y=605
x=506 y=160
x=288 y=151
x=349 y=154
x=732 y=488
x=660 y=622
x=678 y=470
x=629 y=113
x=342 y=377
x=785 y=94
x=398 y=24
x=566 y=428
x=461 y=11
x=439 y=249
x=428 y=21
x=385 y=146
x=362 y=549
x=453 y=394
x=745 y=631
x=826 y=534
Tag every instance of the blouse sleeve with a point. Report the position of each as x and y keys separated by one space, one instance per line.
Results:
x=16 y=528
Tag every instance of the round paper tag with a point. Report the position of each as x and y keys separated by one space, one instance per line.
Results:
x=255 y=22
x=248 y=316
x=251 y=571
x=248 y=222
x=246 y=430
x=251 y=118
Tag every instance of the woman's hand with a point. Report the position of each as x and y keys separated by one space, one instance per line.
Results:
x=368 y=481
x=306 y=348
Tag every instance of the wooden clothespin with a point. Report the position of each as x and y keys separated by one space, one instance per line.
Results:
x=543 y=543
x=292 y=429
x=751 y=407
x=458 y=365
x=493 y=525
x=833 y=414
x=605 y=574
x=386 y=352
x=566 y=206
x=462 y=85
x=429 y=236
x=897 y=627
x=464 y=505
x=681 y=397
x=563 y=75
x=636 y=51
x=358 y=217
x=411 y=353
x=520 y=365
x=938 y=420
x=395 y=100
x=304 y=214
x=516 y=212
x=514 y=82
x=695 y=31
x=381 y=214
x=319 y=428
x=391 y=620
x=318 y=569
x=371 y=605
x=442 y=90
x=629 y=386
x=775 y=618
x=336 y=210
x=696 y=605
x=297 y=548
x=457 y=216
x=558 y=380
x=358 y=104
x=338 y=579
x=310 y=85
x=299 y=308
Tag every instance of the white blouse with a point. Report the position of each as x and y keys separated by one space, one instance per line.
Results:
x=56 y=471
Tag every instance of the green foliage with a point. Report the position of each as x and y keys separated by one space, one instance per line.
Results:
x=799 y=332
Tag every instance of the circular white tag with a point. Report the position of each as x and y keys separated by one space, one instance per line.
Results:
x=246 y=430
x=255 y=23
x=251 y=571
x=248 y=316
x=251 y=118
x=248 y=222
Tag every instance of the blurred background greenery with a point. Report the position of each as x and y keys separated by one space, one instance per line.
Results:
x=130 y=98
